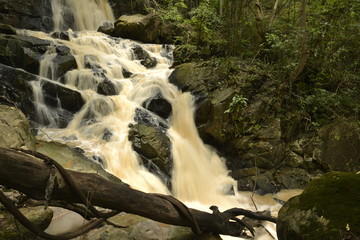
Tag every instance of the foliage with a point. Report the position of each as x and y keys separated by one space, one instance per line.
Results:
x=328 y=46
x=237 y=101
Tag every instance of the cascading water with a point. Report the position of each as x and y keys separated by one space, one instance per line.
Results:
x=80 y=14
x=199 y=176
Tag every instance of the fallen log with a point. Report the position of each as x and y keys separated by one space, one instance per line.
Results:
x=30 y=176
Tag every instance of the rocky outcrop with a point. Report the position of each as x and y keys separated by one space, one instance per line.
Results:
x=15 y=129
x=239 y=117
x=328 y=208
x=26 y=52
x=22 y=51
x=34 y=15
x=14 y=85
x=144 y=28
x=340 y=146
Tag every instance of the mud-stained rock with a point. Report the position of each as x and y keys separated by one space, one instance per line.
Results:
x=15 y=129
x=328 y=208
x=139 y=27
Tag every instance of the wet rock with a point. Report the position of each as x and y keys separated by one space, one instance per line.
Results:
x=144 y=116
x=7 y=29
x=69 y=99
x=107 y=135
x=11 y=230
x=152 y=144
x=106 y=30
x=159 y=106
x=74 y=159
x=14 y=129
x=22 y=51
x=293 y=178
x=34 y=15
x=107 y=88
x=64 y=60
x=61 y=35
x=139 y=27
x=212 y=100
x=90 y=62
x=126 y=73
x=144 y=57
x=14 y=85
x=149 y=62
x=328 y=208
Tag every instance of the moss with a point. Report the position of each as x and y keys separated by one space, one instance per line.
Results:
x=336 y=196
x=329 y=208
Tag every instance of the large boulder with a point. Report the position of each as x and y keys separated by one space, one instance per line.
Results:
x=34 y=15
x=14 y=129
x=149 y=139
x=144 y=28
x=329 y=208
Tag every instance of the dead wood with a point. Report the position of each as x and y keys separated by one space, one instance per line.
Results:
x=30 y=176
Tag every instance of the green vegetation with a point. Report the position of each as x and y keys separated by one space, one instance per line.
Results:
x=310 y=49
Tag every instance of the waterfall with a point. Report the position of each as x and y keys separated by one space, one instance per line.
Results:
x=199 y=176
x=80 y=14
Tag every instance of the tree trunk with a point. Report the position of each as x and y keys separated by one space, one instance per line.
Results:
x=259 y=20
x=30 y=175
x=304 y=54
x=273 y=14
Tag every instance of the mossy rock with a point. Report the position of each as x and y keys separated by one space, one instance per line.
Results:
x=329 y=208
x=11 y=230
x=14 y=129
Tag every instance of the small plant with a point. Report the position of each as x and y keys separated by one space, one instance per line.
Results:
x=237 y=101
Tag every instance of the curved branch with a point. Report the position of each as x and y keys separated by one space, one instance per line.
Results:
x=34 y=175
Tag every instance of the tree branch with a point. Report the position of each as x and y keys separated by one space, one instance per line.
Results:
x=29 y=175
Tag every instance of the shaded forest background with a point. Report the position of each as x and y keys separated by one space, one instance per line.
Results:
x=311 y=48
